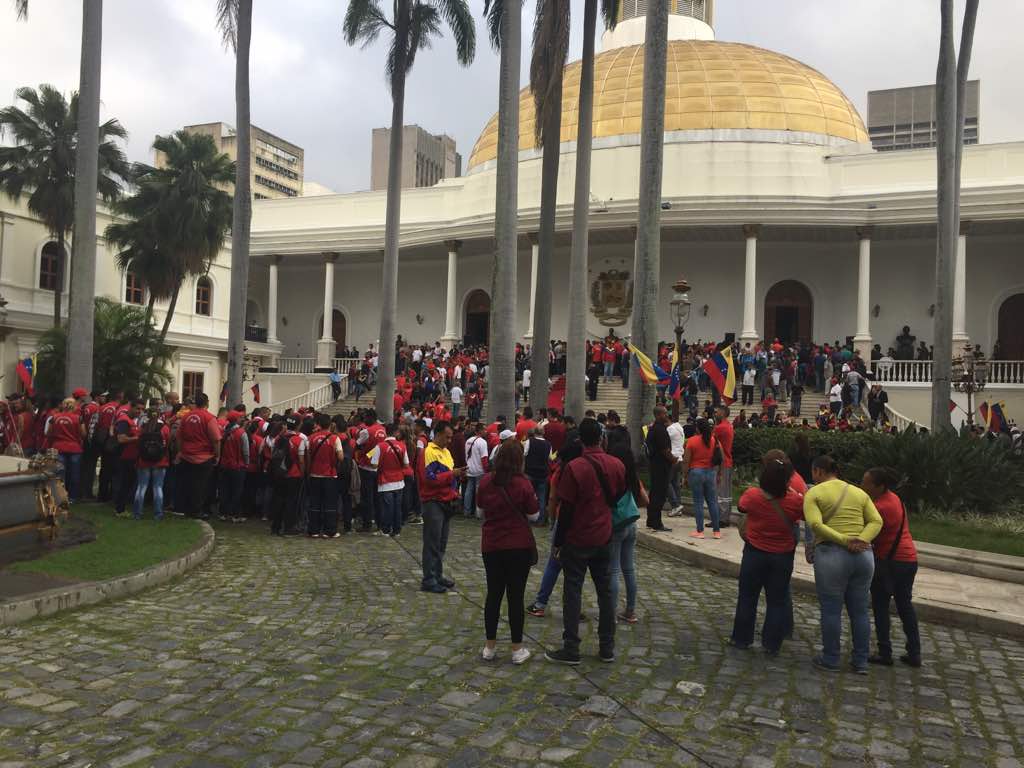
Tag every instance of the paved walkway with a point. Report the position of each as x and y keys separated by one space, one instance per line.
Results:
x=323 y=653
x=950 y=598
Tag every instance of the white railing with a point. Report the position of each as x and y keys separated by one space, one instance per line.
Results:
x=898 y=420
x=305 y=365
x=317 y=397
x=920 y=371
x=1005 y=372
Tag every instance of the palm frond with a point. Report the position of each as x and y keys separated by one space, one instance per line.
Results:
x=493 y=10
x=550 y=50
x=459 y=19
x=227 y=22
x=364 y=21
x=21 y=8
x=610 y=13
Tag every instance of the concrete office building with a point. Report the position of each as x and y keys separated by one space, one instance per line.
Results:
x=904 y=118
x=277 y=165
x=426 y=158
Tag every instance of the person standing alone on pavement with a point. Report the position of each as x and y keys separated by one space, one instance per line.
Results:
x=659 y=452
x=439 y=489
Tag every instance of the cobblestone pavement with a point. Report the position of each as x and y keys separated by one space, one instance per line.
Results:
x=324 y=653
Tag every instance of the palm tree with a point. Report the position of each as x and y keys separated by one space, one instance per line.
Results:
x=647 y=263
x=412 y=25
x=178 y=217
x=234 y=17
x=83 y=245
x=504 y=23
x=550 y=48
x=42 y=164
x=21 y=8
x=576 y=349
x=950 y=103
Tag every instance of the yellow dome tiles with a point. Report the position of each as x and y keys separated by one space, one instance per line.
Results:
x=709 y=85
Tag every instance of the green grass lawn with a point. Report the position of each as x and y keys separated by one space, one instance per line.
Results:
x=121 y=547
x=956 y=533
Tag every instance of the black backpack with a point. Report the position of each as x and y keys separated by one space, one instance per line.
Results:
x=152 y=447
x=281 y=456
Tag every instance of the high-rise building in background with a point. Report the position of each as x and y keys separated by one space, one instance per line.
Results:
x=426 y=158
x=904 y=118
x=277 y=165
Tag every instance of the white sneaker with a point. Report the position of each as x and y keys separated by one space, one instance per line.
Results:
x=520 y=656
x=489 y=654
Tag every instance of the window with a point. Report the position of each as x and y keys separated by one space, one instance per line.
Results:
x=204 y=296
x=51 y=272
x=134 y=292
x=191 y=383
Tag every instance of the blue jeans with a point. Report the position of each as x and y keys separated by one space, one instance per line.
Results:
x=390 y=503
x=456 y=407
x=704 y=488
x=625 y=376
x=623 y=560
x=72 y=463
x=842 y=577
x=770 y=571
x=550 y=577
x=540 y=488
x=469 y=496
x=609 y=369
x=144 y=476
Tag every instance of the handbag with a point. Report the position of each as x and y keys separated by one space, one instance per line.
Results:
x=624 y=510
x=533 y=542
x=883 y=568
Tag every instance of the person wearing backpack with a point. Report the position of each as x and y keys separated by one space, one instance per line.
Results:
x=770 y=512
x=234 y=461
x=623 y=545
x=126 y=432
x=151 y=467
x=701 y=459
x=325 y=450
x=287 y=469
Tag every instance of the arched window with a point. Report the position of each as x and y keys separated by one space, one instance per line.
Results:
x=134 y=291
x=204 y=296
x=51 y=267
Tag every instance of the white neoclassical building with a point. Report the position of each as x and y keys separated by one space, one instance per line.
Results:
x=776 y=209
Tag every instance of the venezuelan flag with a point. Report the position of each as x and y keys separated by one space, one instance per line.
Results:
x=674 y=385
x=720 y=370
x=997 y=418
x=26 y=370
x=649 y=372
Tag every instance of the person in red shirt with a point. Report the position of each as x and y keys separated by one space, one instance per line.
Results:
x=126 y=431
x=771 y=512
x=234 y=466
x=526 y=425
x=65 y=434
x=106 y=447
x=555 y=430
x=390 y=458
x=588 y=488
x=198 y=444
x=151 y=468
x=88 y=408
x=724 y=434
x=287 y=485
x=373 y=433
x=506 y=542
x=325 y=450
x=895 y=568
x=255 y=479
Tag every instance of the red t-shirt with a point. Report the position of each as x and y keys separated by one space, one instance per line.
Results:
x=164 y=462
x=890 y=507
x=554 y=433
x=231 y=456
x=124 y=424
x=700 y=454
x=524 y=428
x=765 y=529
x=106 y=419
x=323 y=452
x=65 y=435
x=375 y=433
x=391 y=462
x=196 y=436
x=504 y=526
x=255 y=452
x=723 y=433
x=578 y=484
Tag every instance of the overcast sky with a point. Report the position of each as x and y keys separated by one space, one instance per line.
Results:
x=164 y=67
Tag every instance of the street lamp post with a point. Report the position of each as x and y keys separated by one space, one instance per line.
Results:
x=970 y=373
x=679 y=307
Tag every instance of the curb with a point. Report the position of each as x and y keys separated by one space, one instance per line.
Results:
x=933 y=611
x=53 y=601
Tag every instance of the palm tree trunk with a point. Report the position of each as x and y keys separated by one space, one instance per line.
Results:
x=647 y=264
x=83 y=257
x=501 y=367
x=170 y=312
x=392 y=224
x=540 y=364
x=576 y=364
x=241 y=221
x=58 y=293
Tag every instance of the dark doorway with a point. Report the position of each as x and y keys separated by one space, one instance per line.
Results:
x=338 y=330
x=788 y=312
x=1011 y=328
x=478 y=318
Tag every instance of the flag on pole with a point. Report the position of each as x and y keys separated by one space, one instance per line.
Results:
x=255 y=389
x=720 y=369
x=952 y=405
x=224 y=393
x=26 y=370
x=674 y=384
x=997 y=416
x=649 y=372
x=986 y=415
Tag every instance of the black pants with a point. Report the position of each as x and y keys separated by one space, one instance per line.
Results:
x=126 y=484
x=108 y=469
x=895 y=579
x=193 y=483
x=323 y=506
x=368 y=506
x=437 y=517
x=748 y=394
x=252 y=494
x=660 y=471
x=507 y=572
x=576 y=561
x=230 y=484
x=284 y=505
x=87 y=477
x=771 y=572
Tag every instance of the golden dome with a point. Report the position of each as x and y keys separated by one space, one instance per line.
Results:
x=710 y=85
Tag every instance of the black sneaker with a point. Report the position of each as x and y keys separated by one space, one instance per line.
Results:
x=606 y=656
x=446 y=582
x=821 y=664
x=884 y=661
x=562 y=656
x=858 y=670
x=911 y=661
x=537 y=610
x=436 y=589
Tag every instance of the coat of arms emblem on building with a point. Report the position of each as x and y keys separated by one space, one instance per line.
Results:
x=611 y=297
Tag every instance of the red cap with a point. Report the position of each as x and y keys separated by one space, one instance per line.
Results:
x=80 y=392
x=234 y=416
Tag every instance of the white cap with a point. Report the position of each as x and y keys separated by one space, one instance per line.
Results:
x=506 y=434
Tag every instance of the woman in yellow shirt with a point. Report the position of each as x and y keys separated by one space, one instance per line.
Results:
x=844 y=521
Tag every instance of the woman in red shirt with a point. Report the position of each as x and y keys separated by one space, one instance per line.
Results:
x=895 y=568
x=767 y=562
x=700 y=474
x=65 y=434
x=509 y=505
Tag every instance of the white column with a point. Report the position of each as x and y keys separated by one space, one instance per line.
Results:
x=534 y=256
x=325 y=346
x=451 y=333
x=862 y=336
x=960 y=290
x=749 y=332
x=272 y=301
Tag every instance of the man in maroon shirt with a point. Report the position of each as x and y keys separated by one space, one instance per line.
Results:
x=587 y=490
x=554 y=430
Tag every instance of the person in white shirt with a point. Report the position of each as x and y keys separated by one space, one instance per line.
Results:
x=455 y=395
x=476 y=467
x=417 y=355
x=527 y=375
x=678 y=437
x=749 y=378
x=835 y=398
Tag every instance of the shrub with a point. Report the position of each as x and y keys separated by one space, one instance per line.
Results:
x=750 y=444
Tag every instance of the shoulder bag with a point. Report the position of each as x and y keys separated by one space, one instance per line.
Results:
x=810 y=545
x=533 y=542
x=883 y=568
x=624 y=510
